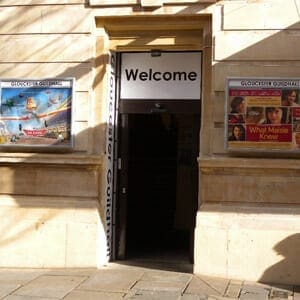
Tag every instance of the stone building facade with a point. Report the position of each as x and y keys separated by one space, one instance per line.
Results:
x=54 y=206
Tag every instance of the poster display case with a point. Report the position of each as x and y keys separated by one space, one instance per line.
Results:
x=36 y=113
x=262 y=114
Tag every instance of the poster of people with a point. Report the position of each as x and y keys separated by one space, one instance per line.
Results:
x=36 y=112
x=263 y=114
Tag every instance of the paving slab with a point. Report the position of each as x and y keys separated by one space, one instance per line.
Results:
x=7 y=288
x=50 y=286
x=282 y=292
x=218 y=284
x=254 y=292
x=93 y=295
x=112 y=280
x=234 y=289
x=116 y=282
x=166 y=286
x=17 y=297
x=166 y=276
x=155 y=295
x=220 y=298
x=19 y=276
x=193 y=297
x=199 y=287
x=72 y=271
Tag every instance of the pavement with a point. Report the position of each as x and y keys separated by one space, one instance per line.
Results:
x=133 y=280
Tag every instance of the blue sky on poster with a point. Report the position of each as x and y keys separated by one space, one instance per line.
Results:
x=14 y=104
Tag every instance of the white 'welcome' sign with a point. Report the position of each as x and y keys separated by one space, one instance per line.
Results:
x=172 y=75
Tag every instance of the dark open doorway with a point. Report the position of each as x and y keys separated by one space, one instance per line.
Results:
x=158 y=185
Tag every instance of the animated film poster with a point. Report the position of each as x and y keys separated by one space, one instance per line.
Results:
x=36 y=112
x=263 y=114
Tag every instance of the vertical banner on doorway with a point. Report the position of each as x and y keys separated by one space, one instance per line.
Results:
x=110 y=135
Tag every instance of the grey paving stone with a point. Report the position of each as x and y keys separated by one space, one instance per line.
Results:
x=198 y=287
x=112 y=280
x=19 y=276
x=221 y=298
x=72 y=271
x=281 y=292
x=7 y=288
x=280 y=295
x=17 y=297
x=93 y=295
x=160 y=286
x=254 y=292
x=50 y=286
x=166 y=276
x=218 y=284
x=254 y=284
x=155 y=295
x=193 y=297
x=234 y=289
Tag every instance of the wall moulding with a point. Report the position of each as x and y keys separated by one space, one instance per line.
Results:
x=51 y=159
x=151 y=22
x=231 y=165
x=146 y=3
x=142 y=33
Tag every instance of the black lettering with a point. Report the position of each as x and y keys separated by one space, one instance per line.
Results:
x=167 y=76
x=111 y=107
x=192 y=76
x=111 y=81
x=150 y=74
x=157 y=78
x=108 y=214
x=109 y=148
x=131 y=74
x=108 y=176
x=112 y=61
x=110 y=132
x=143 y=76
x=179 y=75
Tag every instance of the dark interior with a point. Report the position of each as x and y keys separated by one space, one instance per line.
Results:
x=162 y=163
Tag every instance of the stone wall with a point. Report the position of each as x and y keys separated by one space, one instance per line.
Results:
x=51 y=203
x=248 y=204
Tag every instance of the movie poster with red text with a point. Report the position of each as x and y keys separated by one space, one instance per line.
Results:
x=263 y=114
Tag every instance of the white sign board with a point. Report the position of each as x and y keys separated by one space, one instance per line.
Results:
x=171 y=75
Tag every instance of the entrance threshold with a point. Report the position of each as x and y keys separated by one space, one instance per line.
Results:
x=161 y=191
x=173 y=264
